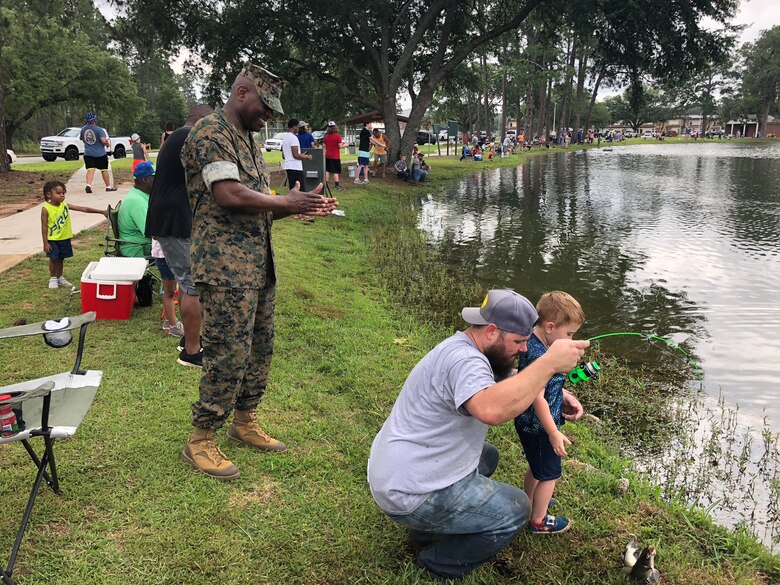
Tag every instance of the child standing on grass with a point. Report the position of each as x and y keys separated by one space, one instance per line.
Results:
x=560 y=317
x=139 y=151
x=170 y=324
x=56 y=229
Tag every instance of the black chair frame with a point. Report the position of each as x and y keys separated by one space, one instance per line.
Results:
x=46 y=464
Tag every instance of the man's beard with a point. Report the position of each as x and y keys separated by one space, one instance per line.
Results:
x=501 y=363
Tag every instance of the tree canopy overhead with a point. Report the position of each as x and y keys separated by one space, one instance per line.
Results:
x=386 y=49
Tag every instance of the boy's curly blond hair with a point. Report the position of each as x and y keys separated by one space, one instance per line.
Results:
x=560 y=308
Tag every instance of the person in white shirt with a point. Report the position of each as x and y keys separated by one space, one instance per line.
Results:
x=293 y=157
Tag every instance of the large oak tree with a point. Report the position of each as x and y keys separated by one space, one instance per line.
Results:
x=375 y=53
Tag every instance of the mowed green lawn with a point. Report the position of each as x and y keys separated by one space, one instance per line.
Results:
x=132 y=512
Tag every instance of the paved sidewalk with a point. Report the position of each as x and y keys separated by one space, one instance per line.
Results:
x=21 y=232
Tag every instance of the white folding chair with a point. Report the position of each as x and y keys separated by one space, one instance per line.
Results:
x=52 y=408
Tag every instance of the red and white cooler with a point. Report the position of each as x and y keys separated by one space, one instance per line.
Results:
x=108 y=287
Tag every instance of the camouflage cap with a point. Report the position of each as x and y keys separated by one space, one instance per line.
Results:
x=268 y=85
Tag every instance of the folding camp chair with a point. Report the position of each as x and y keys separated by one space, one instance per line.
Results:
x=51 y=408
x=113 y=242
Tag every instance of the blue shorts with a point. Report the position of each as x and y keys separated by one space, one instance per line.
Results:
x=544 y=463
x=165 y=271
x=363 y=160
x=60 y=249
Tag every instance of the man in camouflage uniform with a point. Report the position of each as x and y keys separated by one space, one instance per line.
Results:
x=233 y=265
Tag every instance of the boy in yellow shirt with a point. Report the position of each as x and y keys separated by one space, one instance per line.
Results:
x=56 y=229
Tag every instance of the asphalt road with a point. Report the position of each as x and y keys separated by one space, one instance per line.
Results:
x=24 y=160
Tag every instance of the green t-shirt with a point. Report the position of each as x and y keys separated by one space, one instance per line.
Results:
x=132 y=224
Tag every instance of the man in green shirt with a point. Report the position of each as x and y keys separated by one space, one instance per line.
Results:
x=132 y=214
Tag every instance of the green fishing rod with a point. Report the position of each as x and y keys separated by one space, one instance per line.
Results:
x=591 y=370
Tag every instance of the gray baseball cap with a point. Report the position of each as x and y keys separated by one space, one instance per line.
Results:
x=506 y=309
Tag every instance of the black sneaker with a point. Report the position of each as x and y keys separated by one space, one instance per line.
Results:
x=181 y=344
x=88 y=189
x=109 y=189
x=193 y=361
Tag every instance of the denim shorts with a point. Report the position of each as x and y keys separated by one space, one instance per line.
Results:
x=165 y=271
x=177 y=257
x=363 y=160
x=544 y=463
x=60 y=249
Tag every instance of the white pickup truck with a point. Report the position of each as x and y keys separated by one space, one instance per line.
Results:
x=69 y=146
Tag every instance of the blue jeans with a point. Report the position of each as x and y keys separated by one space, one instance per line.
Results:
x=419 y=175
x=467 y=523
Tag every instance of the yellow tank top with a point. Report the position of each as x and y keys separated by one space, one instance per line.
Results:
x=59 y=221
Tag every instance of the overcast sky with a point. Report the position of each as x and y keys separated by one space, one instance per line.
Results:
x=758 y=15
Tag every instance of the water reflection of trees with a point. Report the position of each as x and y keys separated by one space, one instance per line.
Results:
x=540 y=227
x=749 y=191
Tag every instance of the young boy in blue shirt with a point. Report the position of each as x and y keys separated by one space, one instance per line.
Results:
x=560 y=317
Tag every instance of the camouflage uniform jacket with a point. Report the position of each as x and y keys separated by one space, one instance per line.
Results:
x=229 y=248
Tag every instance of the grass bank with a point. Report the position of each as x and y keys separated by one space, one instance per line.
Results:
x=347 y=336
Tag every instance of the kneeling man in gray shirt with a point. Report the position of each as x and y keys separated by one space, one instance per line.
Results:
x=430 y=465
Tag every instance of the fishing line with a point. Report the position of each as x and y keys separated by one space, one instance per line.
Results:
x=649 y=337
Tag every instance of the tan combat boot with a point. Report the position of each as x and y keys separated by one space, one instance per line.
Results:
x=202 y=453
x=245 y=430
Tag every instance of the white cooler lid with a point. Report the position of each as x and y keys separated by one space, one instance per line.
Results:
x=119 y=269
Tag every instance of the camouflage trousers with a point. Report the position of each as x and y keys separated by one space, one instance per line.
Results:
x=238 y=340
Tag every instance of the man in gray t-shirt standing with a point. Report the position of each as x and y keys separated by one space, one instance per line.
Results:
x=96 y=146
x=429 y=466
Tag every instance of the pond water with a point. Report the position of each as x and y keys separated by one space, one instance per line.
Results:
x=681 y=241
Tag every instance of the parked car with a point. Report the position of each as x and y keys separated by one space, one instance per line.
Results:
x=69 y=146
x=648 y=134
x=274 y=143
x=671 y=133
x=425 y=137
x=443 y=134
x=628 y=133
x=318 y=135
x=10 y=156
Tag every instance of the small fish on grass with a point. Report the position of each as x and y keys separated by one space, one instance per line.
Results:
x=640 y=569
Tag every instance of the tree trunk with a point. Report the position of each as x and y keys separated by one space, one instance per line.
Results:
x=486 y=95
x=595 y=93
x=393 y=132
x=504 y=105
x=4 y=166
x=549 y=108
x=763 y=115
x=571 y=53
x=520 y=116
x=419 y=107
x=542 y=97
x=580 y=90
x=528 y=120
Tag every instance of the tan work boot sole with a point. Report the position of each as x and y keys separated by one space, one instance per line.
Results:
x=264 y=449
x=187 y=459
